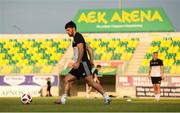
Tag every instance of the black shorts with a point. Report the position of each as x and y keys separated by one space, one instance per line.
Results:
x=156 y=80
x=83 y=70
x=48 y=88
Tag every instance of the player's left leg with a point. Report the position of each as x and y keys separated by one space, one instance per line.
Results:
x=98 y=87
x=69 y=78
x=50 y=92
x=96 y=92
x=158 y=83
x=47 y=91
x=155 y=90
x=158 y=91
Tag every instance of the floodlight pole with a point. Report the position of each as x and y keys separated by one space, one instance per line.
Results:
x=120 y=4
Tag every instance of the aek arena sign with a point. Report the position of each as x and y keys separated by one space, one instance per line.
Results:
x=125 y=20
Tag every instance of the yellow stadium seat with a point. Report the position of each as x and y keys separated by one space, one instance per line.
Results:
x=145 y=62
x=26 y=69
x=173 y=70
x=155 y=49
x=2 y=55
x=171 y=62
x=166 y=43
x=162 y=55
x=7 y=69
x=106 y=56
x=4 y=62
x=178 y=56
x=178 y=70
x=46 y=69
x=129 y=56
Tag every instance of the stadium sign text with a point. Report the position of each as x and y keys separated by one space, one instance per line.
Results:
x=144 y=91
x=125 y=20
x=129 y=17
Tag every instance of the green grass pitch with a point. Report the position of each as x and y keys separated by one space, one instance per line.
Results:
x=89 y=105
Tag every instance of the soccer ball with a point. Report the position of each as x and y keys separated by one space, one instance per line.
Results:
x=26 y=99
x=129 y=100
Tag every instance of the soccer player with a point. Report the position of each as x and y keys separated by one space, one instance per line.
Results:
x=81 y=67
x=95 y=76
x=91 y=57
x=156 y=73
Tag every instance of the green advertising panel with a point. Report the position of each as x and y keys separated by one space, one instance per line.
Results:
x=123 y=20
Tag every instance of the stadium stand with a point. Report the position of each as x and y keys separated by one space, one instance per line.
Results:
x=113 y=48
x=30 y=55
x=40 y=55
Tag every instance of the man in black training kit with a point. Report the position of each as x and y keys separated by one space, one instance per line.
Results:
x=81 y=67
x=49 y=87
x=156 y=73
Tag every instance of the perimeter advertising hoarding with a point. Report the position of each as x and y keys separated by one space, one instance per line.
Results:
x=170 y=86
x=127 y=81
x=142 y=91
x=17 y=85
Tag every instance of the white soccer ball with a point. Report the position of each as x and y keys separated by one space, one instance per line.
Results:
x=26 y=99
x=129 y=100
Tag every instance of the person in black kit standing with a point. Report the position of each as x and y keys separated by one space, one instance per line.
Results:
x=156 y=74
x=81 y=67
x=49 y=87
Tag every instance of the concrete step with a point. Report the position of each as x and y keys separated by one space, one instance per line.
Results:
x=135 y=64
x=141 y=51
x=130 y=72
x=133 y=71
x=138 y=56
x=131 y=67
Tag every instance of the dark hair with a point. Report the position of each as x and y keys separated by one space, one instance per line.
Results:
x=155 y=52
x=70 y=24
x=98 y=66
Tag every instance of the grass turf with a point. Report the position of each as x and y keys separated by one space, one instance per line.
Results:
x=46 y=104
